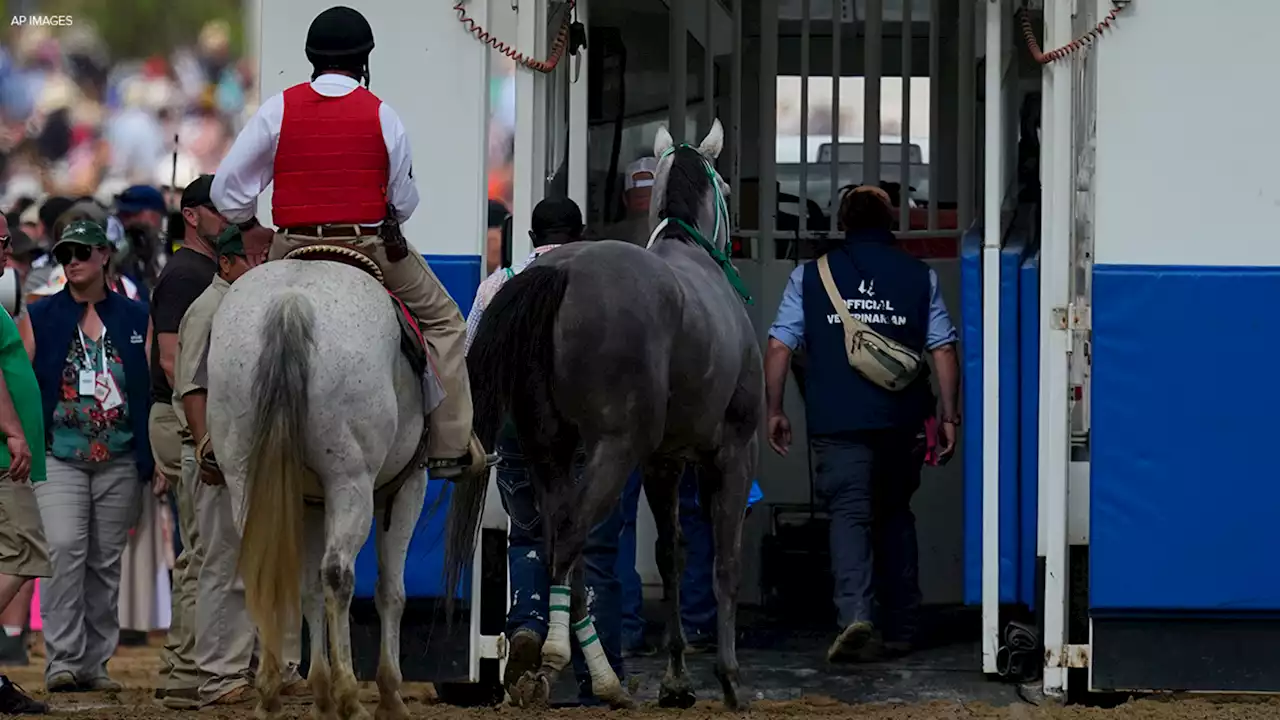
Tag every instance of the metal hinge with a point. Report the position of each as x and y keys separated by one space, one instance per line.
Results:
x=1071 y=317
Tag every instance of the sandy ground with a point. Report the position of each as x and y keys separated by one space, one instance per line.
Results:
x=137 y=669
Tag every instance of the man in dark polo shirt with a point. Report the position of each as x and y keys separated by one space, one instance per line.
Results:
x=187 y=274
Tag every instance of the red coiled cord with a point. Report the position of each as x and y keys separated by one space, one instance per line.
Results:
x=1044 y=58
x=542 y=66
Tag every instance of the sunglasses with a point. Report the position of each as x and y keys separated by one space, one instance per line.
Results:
x=65 y=253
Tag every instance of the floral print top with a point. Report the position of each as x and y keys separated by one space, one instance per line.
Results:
x=81 y=430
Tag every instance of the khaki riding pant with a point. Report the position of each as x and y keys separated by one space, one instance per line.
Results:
x=443 y=328
x=179 y=670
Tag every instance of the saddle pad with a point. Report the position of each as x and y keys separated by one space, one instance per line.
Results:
x=411 y=341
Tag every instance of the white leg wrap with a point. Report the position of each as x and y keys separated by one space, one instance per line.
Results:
x=604 y=683
x=555 y=651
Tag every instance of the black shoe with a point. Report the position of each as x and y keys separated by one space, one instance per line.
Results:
x=525 y=655
x=13 y=701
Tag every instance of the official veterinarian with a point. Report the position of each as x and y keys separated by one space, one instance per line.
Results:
x=867 y=440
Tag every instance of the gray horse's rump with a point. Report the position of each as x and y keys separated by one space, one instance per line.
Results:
x=617 y=354
x=361 y=392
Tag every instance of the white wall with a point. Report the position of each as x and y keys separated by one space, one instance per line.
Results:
x=1188 y=161
x=432 y=72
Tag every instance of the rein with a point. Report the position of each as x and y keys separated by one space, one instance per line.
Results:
x=722 y=210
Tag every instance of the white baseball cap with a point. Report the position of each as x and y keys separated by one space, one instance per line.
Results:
x=645 y=166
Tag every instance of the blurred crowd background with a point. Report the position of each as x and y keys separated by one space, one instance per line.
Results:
x=137 y=93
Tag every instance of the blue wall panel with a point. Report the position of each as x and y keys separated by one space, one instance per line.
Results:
x=424 y=569
x=1029 y=425
x=1010 y=530
x=1184 y=497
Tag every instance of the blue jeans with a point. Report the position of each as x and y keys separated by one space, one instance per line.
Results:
x=697 y=591
x=530 y=578
x=866 y=481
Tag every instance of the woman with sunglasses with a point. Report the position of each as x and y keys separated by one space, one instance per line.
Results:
x=88 y=347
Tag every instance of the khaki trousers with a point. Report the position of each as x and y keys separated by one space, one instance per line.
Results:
x=443 y=328
x=225 y=639
x=179 y=670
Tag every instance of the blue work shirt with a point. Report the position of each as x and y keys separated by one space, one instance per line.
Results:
x=788 y=326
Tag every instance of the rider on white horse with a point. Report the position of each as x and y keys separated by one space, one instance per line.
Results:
x=343 y=176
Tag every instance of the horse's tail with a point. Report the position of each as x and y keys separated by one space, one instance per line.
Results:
x=511 y=364
x=271 y=544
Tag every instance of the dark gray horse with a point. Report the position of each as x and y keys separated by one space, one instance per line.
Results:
x=645 y=358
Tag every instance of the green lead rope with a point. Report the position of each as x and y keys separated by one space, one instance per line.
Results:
x=721 y=259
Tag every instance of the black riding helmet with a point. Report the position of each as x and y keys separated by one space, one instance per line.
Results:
x=340 y=38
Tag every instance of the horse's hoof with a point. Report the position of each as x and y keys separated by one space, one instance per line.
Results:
x=734 y=702
x=532 y=691
x=676 y=696
x=391 y=710
x=620 y=700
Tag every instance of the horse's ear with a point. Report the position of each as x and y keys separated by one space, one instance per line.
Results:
x=713 y=143
x=662 y=142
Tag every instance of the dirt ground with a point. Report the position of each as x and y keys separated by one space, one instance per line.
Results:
x=137 y=669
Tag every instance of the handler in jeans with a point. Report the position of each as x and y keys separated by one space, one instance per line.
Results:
x=867 y=442
x=555 y=221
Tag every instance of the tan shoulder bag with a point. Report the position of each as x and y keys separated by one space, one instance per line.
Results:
x=883 y=361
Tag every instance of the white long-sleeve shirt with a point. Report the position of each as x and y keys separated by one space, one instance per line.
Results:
x=250 y=164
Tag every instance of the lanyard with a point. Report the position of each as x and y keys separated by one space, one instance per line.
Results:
x=85 y=347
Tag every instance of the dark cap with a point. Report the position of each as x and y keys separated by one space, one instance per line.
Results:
x=197 y=192
x=84 y=232
x=339 y=32
x=558 y=215
x=138 y=198
x=230 y=242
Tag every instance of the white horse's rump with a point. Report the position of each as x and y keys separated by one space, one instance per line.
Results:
x=308 y=389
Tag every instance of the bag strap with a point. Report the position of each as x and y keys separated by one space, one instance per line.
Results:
x=851 y=324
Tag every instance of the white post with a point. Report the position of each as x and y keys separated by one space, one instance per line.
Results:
x=578 y=130
x=991 y=243
x=1055 y=269
x=530 y=173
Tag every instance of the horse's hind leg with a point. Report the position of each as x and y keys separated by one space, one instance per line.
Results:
x=318 y=676
x=393 y=545
x=661 y=487
x=729 y=474
x=348 y=513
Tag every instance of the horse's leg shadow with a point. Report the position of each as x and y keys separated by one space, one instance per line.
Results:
x=662 y=487
x=347 y=519
x=729 y=473
x=393 y=546
x=318 y=677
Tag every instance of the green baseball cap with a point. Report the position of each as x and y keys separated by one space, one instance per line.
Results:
x=230 y=243
x=84 y=232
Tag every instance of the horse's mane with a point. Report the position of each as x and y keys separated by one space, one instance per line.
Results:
x=687 y=186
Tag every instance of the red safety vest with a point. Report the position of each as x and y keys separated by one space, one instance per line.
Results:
x=331 y=162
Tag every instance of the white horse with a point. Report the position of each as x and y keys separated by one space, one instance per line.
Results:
x=310 y=396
